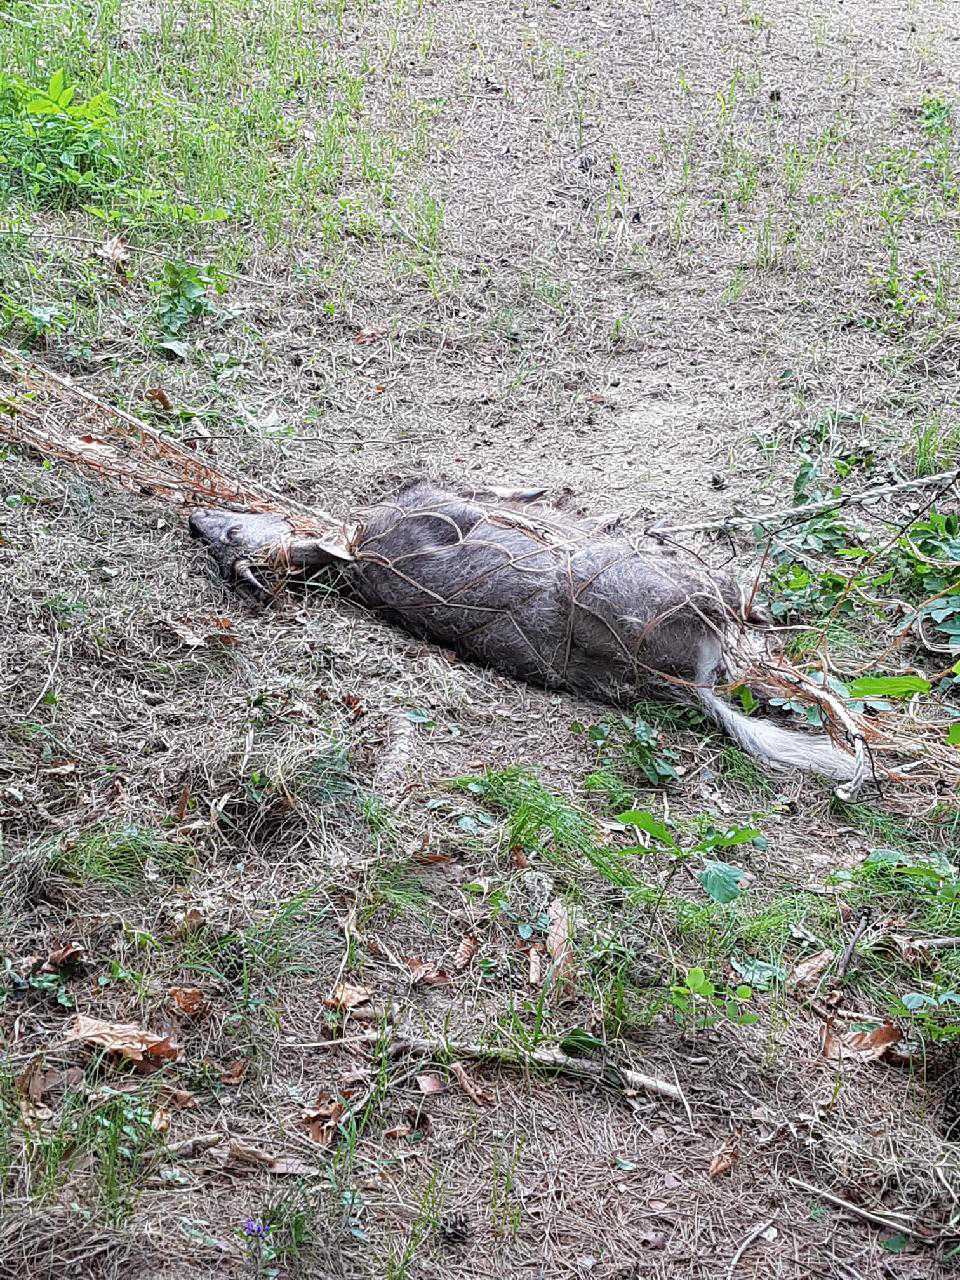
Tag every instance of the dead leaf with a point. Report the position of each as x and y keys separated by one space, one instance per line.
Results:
x=475 y=1092
x=160 y=397
x=519 y=858
x=347 y=996
x=535 y=963
x=559 y=946
x=180 y=1099
x=810 y=971
x=126 y=1039
x=429 y=1084
x=725 y=1157
x=114 y=251
x=68 y=956
x=234 y=1071
x=398 y=1131
x=860 y=1046
x=651 y=1239
x=366 y=336
x=160 y=1122
x=322 y=1118
x=192 y=639
x=32 y=1081
x=465 y=952
x=189 y=1000
x=190 y=1148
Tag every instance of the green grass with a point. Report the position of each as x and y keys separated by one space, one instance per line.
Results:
x=123 y=858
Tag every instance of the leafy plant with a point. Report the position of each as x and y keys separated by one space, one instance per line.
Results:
x=721 y=881
x=183 y=290
x=632 y=742
x=701 y=1001
x=53 y=149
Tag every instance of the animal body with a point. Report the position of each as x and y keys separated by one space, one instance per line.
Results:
x=558 y=601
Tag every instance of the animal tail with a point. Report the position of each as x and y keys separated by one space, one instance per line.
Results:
x=776 y=747
x=779 y=748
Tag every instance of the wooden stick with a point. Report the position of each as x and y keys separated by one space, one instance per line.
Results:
x=551 y=1059
x=876 y=1219
x=747 y=1241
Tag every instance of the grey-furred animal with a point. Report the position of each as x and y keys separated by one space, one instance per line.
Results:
x=557 y=601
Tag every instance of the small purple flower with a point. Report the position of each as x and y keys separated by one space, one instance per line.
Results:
x=253 y=1227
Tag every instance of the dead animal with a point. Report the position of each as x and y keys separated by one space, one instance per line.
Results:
x=563 y=603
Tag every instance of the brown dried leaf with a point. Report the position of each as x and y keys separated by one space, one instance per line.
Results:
x=32 y=1081
x=189 y=1000
x=190 y=1148
x=114 y=251
x=725 y=1157
x=427 y=973
x=322 y=1118
x=191 y=638
x=465 y=952
x=810 y=971
x=430 y=1084
x=234 y=1071
x=124 y=1038
x=475 y=1092
x=347 y=996
x=67 y=956
x=535 y=962
x=160 y=1122
x=180 y=1099
x=519 y=858
x=860 y=1046
x=160 y=397
x=559 y=946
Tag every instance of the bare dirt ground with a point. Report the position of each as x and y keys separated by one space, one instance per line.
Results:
x=636 y=254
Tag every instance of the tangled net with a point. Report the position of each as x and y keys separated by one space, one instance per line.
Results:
x=566 y=603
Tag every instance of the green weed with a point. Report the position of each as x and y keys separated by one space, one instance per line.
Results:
x=123 y=858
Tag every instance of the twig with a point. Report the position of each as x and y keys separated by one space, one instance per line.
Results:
x=876 y=1219
x=550 y=1059
x=931 y=944
x=788 y=514
x=747 y=1241
x=852 y=946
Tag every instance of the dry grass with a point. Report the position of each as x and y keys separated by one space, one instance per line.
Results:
x=635 y=256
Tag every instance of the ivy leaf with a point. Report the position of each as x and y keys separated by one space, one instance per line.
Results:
x=758 y=973
x=721 y=881
x=953 y=734
x=888 y=686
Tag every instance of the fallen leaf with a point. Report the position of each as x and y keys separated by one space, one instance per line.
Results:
x=430 y=1084
x=347 y=996
x=160 y=1122
x=475 y=1092
x=321 y=1120
x=465 y=952
x=124 y=1038
x=559 y=946
x=651 y=1239
x=181 y=1099
x=366 y=336
x=234 y=1071
x=518 y=857
x=189 y=1148
x=860 y=1046
x=808 y=972
x=191 y=635
x=429 y=974
x=114 y=251
x=67 y=956
x=725 y=1157
x=32 y=1081
x=189 y=1000
x=160 y=397
x=192 y=639
x=535 y=964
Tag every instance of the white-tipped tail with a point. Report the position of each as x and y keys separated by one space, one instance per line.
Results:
x=779 y=748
